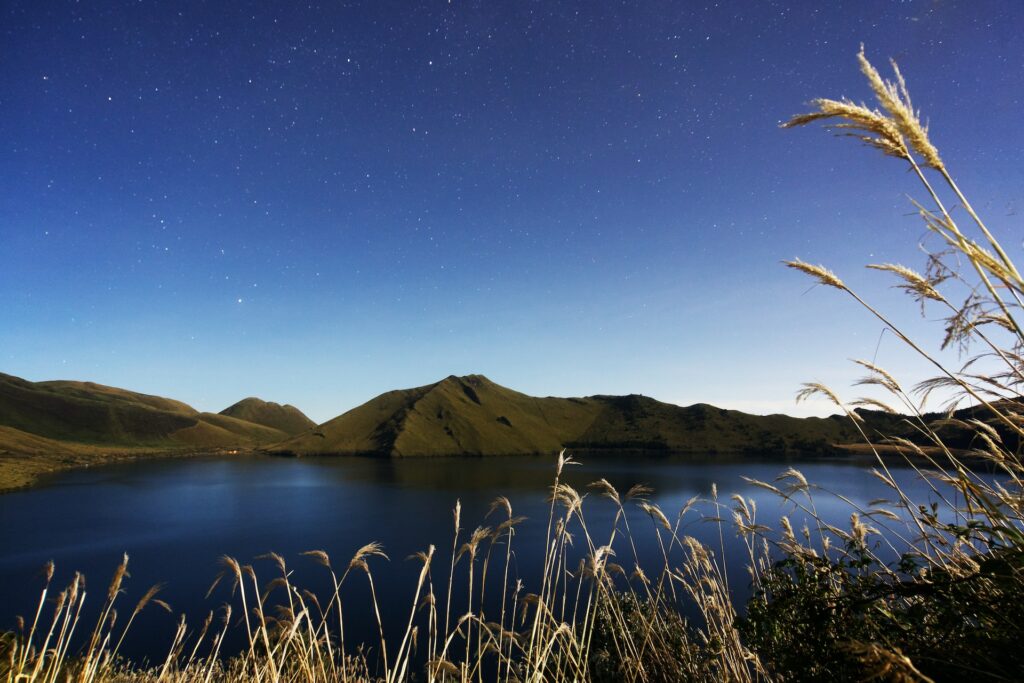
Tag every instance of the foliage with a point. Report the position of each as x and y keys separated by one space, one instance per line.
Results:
x=937 y=594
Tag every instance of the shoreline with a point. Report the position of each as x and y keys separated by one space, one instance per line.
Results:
x=23 y=471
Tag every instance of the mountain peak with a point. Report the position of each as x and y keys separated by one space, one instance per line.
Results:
x=286 y=418
x=473 y=379
x=471 y=415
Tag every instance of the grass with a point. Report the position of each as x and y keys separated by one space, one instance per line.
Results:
x=908 y=591
x=284 y=418
x=474 y=416
x=49 y=426
x=25 y=457
x=581 y=621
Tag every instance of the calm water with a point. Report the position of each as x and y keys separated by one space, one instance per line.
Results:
x=175 y=518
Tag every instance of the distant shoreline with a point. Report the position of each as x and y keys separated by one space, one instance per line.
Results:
x=49 y=427
x=22 y=471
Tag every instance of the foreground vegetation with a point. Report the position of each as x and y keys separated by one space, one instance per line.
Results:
x=909 y=591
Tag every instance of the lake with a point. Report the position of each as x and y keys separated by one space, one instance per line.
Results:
x=176 y=517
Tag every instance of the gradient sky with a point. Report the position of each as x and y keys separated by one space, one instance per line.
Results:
x=315 y=203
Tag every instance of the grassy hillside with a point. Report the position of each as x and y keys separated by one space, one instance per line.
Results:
x=286 y=418
x=91 y=390
x=640 y=422
x=52 y=425
x=93 y=414
x=24 y=456
x=458 y=415
x=473 y=416
x=48 y=425
x=222 y=430
x=90 y=414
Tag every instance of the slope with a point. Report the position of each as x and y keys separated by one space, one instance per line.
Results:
x=286 y=418
x=473 y=416
x=93 y=414
x=458 y=415
x=640 y=422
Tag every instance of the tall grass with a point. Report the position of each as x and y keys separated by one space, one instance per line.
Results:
x=917 y=589
x=910 y=591
x=586 y=621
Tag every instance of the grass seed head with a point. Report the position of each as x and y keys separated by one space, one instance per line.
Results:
x=869 y=126
x=604 y=487
x=913 y=282
x=639 y=492
x=501 y=503
x=895 y=99
x=320 y=556
x=119 y=575
x=822 y=274
x=369 y=550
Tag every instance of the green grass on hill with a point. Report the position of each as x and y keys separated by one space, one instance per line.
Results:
x=474 y=416
x=286 y=418
x=53 y=425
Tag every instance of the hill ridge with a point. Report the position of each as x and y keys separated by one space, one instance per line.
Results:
x=285 y=418
x=472 y=415
x=90 y=413
x=62 y=423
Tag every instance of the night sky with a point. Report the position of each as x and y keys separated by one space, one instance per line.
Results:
x=316 y=203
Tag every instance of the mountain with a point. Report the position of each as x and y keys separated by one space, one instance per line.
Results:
x=93 y=414
x=48 y=425
x=285 y=418
x=53 y=425
x=472 y=415
x=465 y=415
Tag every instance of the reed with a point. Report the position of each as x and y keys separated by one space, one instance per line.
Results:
x=588 y=622
x=915 y=589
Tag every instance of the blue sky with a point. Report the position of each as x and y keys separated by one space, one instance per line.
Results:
x=317 y=203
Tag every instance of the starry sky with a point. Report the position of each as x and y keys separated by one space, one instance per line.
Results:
x=315 y=203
